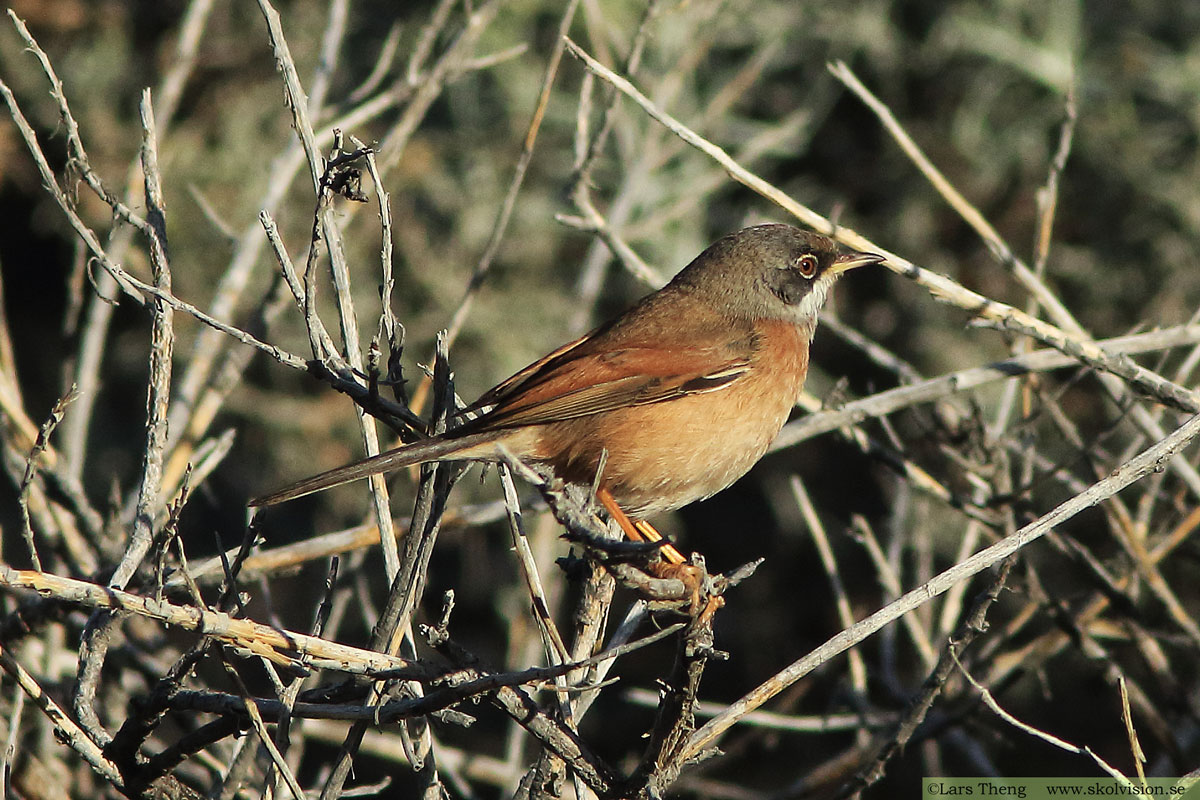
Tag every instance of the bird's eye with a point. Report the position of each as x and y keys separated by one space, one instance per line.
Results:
x=806 y=265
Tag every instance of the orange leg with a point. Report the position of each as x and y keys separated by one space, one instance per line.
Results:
x=638 y=530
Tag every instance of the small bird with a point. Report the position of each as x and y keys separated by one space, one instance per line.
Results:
x=683 y=393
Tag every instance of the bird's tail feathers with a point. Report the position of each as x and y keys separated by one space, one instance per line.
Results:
x=460 y=448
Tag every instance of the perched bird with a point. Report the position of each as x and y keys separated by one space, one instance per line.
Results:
x=683 y=392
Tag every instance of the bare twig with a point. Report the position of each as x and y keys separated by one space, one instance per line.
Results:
x=279 y=647
x=64 y=728
x=991 y=703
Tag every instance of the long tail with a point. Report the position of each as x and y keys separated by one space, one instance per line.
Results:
x=473 y=445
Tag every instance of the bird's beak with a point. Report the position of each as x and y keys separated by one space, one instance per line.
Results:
x=852 y=260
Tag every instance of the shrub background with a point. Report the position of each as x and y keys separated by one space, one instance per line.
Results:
x=981 y=86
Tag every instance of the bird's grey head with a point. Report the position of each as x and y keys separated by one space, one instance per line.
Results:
x=771 y=272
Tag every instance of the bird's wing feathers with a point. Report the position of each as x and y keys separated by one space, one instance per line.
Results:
x=508 y=386
x=598 y=382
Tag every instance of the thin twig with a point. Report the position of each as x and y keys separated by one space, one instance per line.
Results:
x=279 y=646
x=64 y=728
x=931 y=389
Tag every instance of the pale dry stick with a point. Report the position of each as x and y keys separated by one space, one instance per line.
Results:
x=774 y=721
x=714 y=110
x=150 y=500
x=1032 y=281
x=294 y=96
x=875 y=352
x=609 y=227
x=1047 y=196
x=330 y=231
x=36 y=453
x=75 y=149
x=527 y=646
x=45 y=515
x=653 y=152
x=1132 y=540
x=858 y=669
x=392 y=628
x=591 y=616
x=451 y=687
x=634 y=617
x=1154 y=386
x=565 y=744
x=236 y=277
x=1135 y=548
x=288 y=557
x=941 y=287
x=162 y=346
x=1036 y=654
x=33 y=462
x=327 y=57
x=1185 y=370
x=556 y=649
x=224 y=381
x=493 y=59
x=386 y=747
x=1181 y=375
x=94 y=641
x=594 y=222
x=319 y=340
x=258 y=639
x=388 y=324
x=931 y=389
x=953 y=606
x=552 y=641
x=1135 y=746
x=22 y=431
x=427 y=39
x=891 y=584
x=265 y=738
x=588 y=148
x=1131 y=471
x=790 y=135
x=286 y=725
x=65 y=729
x=383 y=63
x=999 y=711
x=1154 y=493
x=16 y=708
x=209 y=455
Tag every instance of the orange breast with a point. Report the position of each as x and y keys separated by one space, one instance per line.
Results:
x=665 y=455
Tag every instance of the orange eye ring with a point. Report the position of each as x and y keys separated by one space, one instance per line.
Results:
x=806 y=265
